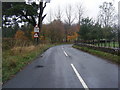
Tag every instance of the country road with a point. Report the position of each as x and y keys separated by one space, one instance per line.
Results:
x=65 y=67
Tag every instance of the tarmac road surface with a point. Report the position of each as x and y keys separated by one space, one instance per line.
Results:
x=65 y=67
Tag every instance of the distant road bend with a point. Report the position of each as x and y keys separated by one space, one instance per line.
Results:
x=65 y=67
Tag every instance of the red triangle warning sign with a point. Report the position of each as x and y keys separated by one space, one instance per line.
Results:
x=35 y=35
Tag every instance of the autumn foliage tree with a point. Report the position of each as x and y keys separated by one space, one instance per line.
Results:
x=72 y=37
x=21 y=39
x=20 y=35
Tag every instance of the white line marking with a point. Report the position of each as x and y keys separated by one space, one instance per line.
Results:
x=65 y=54
x=80 y=78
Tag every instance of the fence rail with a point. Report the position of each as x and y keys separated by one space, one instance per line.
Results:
x=109 y=46
x=101 y=43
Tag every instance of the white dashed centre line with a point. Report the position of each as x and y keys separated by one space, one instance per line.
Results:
x=80 y=78
x=65 y=54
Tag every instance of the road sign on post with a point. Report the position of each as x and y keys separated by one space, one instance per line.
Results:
x=36 y=35
x=40 y=17
x=36 y=29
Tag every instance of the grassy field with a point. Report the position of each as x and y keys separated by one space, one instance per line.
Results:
x=108 y=56
x=16 y=58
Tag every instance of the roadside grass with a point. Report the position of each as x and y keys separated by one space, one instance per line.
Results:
x=108 y=56
x=18 y=57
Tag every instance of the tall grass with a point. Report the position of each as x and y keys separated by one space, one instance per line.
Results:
x=17 y=56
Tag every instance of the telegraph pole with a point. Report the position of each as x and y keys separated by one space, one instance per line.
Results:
x=119 y=23
x=119 y=27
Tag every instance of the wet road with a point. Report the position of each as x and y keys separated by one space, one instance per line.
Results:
x=65 y=67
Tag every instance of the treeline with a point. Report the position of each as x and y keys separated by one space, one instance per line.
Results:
x=54 y=32
x=91 y=30
x=59 y=29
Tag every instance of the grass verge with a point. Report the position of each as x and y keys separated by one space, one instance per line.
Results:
x=108 y=56
x=18 y=57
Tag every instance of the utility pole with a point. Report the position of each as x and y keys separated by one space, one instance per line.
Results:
x=119 y=27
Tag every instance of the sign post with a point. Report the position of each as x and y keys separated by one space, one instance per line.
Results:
x=38 y=27
x=36 y=34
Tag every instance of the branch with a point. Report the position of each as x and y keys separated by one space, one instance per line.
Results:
x=25 y=15
x=44 y=17
x=66 y=22
x=44 y=5
x=33 y=19
x=72 y=20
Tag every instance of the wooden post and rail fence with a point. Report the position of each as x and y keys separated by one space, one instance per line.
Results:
x=109 y=46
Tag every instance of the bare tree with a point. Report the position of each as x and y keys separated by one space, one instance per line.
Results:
x=59 y=14
x=50 y=16
x=69 y=15
x=69 y=19
x=107 y=15
x=80 y=12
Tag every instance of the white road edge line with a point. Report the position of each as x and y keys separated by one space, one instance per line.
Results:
x=80 y=78
x=65 y=54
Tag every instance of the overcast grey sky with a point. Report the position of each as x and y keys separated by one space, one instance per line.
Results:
x=91 y=6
